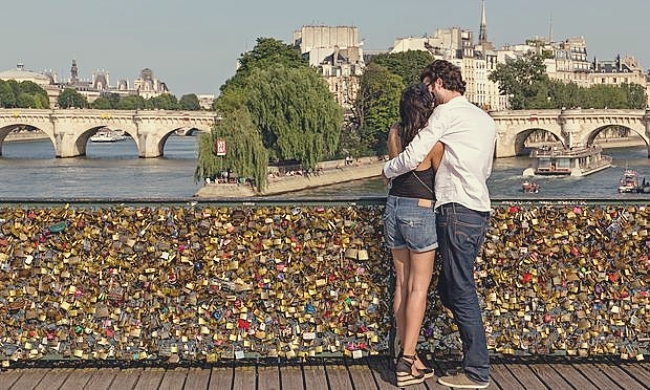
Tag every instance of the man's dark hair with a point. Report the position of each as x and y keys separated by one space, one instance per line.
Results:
x=415 y=107
x=447 y=72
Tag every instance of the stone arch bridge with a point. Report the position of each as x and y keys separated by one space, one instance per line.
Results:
x=571 y=127
x=71 y=129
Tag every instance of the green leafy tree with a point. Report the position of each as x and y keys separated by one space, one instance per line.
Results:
x=378 y=106
x=26 y=100
x=246 y=155
x=267 y=53
x=408 y=65
x=289 y=105
x=7 y=96
x=132 y=103
x=165 y=101
x=101 y=103
x=296 y=114
x=189 y=102
x=70 y=98
x=520 y=80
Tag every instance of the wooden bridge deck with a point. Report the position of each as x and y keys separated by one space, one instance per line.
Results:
x=374 y=373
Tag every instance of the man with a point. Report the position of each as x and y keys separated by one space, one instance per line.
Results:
x=462 y=207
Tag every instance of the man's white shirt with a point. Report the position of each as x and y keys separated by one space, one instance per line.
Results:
x=469 y=135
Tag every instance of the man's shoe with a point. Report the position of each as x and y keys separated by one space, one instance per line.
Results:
x=461 y=381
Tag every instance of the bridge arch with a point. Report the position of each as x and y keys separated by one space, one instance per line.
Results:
x=8 y=128
x=571 y=126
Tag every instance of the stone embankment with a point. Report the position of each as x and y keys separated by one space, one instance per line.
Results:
x=26 y=136
x=333 y=172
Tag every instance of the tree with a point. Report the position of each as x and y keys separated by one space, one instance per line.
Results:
x=267 y=53
x=165 y=101
x=408 y=65
x=189 y=102
x=246 y=155
x=295 y=116
x=295 y=112
x=7 y=96
x=132 y=103
x=520 y=79
x=378 y=106
x=101 y=103
x=70 y=98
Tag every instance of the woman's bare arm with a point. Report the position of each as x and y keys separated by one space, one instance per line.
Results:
x=394 y=142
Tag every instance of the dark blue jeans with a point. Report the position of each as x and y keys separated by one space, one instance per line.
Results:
x=461 y=232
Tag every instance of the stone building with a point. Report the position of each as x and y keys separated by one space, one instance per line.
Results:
x=146 y=85
x=46 y=80
x=336 y=52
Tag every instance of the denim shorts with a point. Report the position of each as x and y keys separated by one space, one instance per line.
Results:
x=409 y=225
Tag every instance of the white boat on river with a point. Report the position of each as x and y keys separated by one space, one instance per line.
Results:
x=574 y=161
x=106 y=135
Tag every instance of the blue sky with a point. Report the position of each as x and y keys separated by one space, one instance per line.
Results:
x=193 y=45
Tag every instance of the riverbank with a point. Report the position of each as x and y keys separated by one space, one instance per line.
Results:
x=335 y=173
x=26 y=136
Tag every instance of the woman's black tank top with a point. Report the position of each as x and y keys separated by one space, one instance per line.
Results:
x=407 y=185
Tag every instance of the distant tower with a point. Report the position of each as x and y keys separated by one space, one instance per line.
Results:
x=482 y=36
x=550 y=30
x=74 y=73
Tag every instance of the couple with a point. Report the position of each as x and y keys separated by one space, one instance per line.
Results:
x=455 y=143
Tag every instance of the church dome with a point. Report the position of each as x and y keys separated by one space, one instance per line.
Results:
x=20 y=74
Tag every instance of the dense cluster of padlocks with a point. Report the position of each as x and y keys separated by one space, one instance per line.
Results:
x=202 y=282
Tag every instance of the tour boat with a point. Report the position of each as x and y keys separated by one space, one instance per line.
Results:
x=106 y=135
x=573 y=161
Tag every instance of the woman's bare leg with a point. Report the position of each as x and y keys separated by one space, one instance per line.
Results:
x=402 y=262
x=419 y=278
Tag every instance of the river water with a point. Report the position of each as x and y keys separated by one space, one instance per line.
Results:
x=30 y=170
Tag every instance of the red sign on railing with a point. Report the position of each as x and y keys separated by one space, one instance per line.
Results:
x=220 y=146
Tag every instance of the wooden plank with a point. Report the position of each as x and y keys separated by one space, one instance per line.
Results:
x=526 y=376
x=617 y=375
x=149 y=379
x=503 y=378
x=198 y=379
x=572 y=376
x=174 y=379
x=637 y=372
x=314 y=377
x=268 y=378
x=126 y=379
x=77 y=379
x=221 y=378
x=292 y=378
x=102 y=379
x=338 y=377
x=29 y=379
x=596 y=376
x=8 y=378
x=362 y=377
x=245 y=378
x=549 y=376
x=383 y=373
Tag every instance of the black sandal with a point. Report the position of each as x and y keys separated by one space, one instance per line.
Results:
x=426 y=371
x=404 y=372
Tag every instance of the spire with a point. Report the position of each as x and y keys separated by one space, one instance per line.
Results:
x=550 y=30
x=482 y=36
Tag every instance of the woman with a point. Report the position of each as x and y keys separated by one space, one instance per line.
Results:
x=410 y=232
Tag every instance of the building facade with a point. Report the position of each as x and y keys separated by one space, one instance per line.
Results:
x=337 y=53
